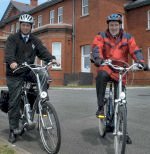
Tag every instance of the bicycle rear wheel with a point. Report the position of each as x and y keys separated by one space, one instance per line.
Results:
x=121 y=131
x=49 y=128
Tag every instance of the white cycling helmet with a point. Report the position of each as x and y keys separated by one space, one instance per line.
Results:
x=26 y=18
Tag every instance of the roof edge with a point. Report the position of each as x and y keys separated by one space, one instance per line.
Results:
x=131 y=6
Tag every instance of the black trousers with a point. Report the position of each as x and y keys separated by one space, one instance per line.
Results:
x=15 y=86
x=101 y=82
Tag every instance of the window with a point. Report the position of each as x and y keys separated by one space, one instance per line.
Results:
x=149 y=57
x=56 y=51
x=85 y=7
x=12 y=28
x=52 y=17
x=60 y=15
x=17 y=27
x=39 y=20
x=34 y=22
x=85 y=58
x=148 y=17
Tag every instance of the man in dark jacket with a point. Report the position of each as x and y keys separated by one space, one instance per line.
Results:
x=21 y=47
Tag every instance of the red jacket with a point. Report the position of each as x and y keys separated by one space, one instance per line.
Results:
x=106 y=47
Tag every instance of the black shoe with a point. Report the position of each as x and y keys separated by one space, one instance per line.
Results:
x=100 y=113
x=128 y=140
x=12 y=137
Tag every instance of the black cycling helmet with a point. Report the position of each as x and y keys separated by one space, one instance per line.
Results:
x=114 y=17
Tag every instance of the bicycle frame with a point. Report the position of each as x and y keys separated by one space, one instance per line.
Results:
x=120 y=111
x=41 y=97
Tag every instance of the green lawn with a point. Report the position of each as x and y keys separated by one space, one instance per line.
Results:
x=4 y=149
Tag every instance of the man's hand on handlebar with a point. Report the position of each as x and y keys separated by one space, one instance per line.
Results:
x=98 y=61
x=143 y=66
x=54 y=61
x=13 y=65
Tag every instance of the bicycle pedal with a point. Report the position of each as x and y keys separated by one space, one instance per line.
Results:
x=101 y=116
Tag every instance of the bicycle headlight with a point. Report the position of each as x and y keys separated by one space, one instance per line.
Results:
x=122 y=95
x=43 y=94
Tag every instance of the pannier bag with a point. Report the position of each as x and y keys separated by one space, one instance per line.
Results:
x=4 y=97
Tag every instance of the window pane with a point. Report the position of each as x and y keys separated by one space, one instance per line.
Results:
x=56 y=51
x=39 y=21
x=149 y=19
x=60 y=15
x=85 y=2
x=51 y=16
x=85 y=60
x=85 y=9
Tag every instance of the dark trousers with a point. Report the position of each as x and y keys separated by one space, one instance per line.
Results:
x=15 y=86
x=101 y=82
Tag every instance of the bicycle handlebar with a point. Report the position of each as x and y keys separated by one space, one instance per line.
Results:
x=119 y=68
x=34 y=66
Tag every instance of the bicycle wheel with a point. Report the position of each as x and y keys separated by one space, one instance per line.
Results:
x=120 y=136
x=102 y=122
x=49 y=128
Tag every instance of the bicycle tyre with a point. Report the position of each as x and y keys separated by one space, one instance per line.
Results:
x=102 y=122
x=51 y=124
x=121 y=131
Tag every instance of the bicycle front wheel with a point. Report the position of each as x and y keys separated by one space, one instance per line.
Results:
x=121 y=131
x=49 y=128
x=103 y=122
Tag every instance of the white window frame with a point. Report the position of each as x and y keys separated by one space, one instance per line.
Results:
x=57 y=52
x=148 y=19
x=84 y=7
x=17 y=26
x=60 y=15
x=12 y=28
x=39 y=20
x=52 y=16
x=148 y=57
x=122 y=21
x=84 y=57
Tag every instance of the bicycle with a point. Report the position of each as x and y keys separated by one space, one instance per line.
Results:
x=115 y=109
x=41 y=113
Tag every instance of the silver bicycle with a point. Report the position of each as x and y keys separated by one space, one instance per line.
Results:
x=115 y=110
x=41 y=113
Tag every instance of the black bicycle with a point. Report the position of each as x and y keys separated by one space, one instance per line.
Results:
x=115 y=109
x=36 y=109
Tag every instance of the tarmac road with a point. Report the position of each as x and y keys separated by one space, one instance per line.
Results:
x=79 y=126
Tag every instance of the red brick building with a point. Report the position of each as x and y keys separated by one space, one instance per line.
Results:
x=67 y=28
x=138 y=24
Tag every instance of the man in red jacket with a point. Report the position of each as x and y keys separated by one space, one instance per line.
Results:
x=113 y=44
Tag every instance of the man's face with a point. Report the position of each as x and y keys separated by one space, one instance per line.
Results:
x=114 y=27
x=25 y=28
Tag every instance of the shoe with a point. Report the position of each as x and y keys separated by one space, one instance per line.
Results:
x=100 y=113
x=12 y=137
x=128 y=140
x=17 y=131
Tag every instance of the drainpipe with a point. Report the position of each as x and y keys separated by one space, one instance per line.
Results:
x=73 y=38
